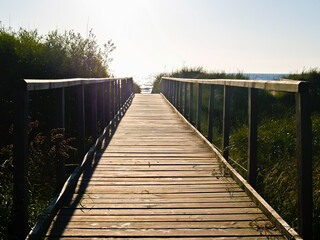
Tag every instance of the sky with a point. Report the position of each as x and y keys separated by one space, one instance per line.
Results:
x=153 y=36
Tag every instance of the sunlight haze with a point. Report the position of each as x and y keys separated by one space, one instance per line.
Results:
x=163 y=35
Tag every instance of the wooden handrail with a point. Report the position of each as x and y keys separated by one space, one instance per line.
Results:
x=169 y=88
x=285 y=85
x=43 y=84
x=114 y=92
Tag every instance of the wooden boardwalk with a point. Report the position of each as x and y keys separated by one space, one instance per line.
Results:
x=157 y=179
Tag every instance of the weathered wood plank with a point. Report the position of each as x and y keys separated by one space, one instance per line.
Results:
x=157 y=179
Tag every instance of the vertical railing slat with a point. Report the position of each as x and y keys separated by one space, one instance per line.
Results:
x=226 y=121
x=199 y=107
x=180 y=97
x=60 y=113
x=107 y=102
x=81 y=120
x=93 y=96
x=102 y=107
x=191 y=104
x=20 y=164
x=185 y=110
x=252 y=136
x=210 y=113
x=304 y=165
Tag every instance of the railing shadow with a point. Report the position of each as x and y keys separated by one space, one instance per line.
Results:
x=79 y=188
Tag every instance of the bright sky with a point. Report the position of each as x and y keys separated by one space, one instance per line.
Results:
x=152 y=36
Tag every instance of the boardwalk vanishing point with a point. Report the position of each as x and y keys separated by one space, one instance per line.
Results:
x=157 y=179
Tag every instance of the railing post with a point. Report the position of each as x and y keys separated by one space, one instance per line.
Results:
x=169 y=90
x=107 y=102
x=20 y=164
x=210 y=113
x=180 y=97
x=252 y=136
x=60 y=113
x=226 y=122
x=191 y=104
x=102 y=107
x=199 y=107
x=113 y=105
x=304 y=164
x=172 y=91
x=115 y=97
x=93 y=95
x=119 y=95
x=176 y=94
x=185 y=111
x=81 y=120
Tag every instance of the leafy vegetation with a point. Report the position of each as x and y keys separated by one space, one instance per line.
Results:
x=277 y=168
x=27 y=54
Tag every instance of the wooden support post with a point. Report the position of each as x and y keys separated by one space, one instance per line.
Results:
x=226 y=121
x=81 y=121
x=107 y=101
x=180 y=97
x=304 y=164
x=185 y=111
x=171 y=91
x=122 y=87
x=102 y=107
x=191 y=104
x=252 y=136
x=112 y=97
x=115 y=97
x=210 y=113
x=119 y=95
x=20 y=164
x=199 y=107
x=93 y=95
x=177 y=95
x=60 y=113
x=175 y=103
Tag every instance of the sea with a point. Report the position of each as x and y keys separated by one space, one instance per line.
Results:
x=266 y=76
x=147 y=88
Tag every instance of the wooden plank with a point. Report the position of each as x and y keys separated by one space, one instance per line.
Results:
x=164 y=195
x=163 y=218
x=162 y=225
x=186 y=211
x=86 y=198
x=179 y=238
x=94 y=205
x=163 y=232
